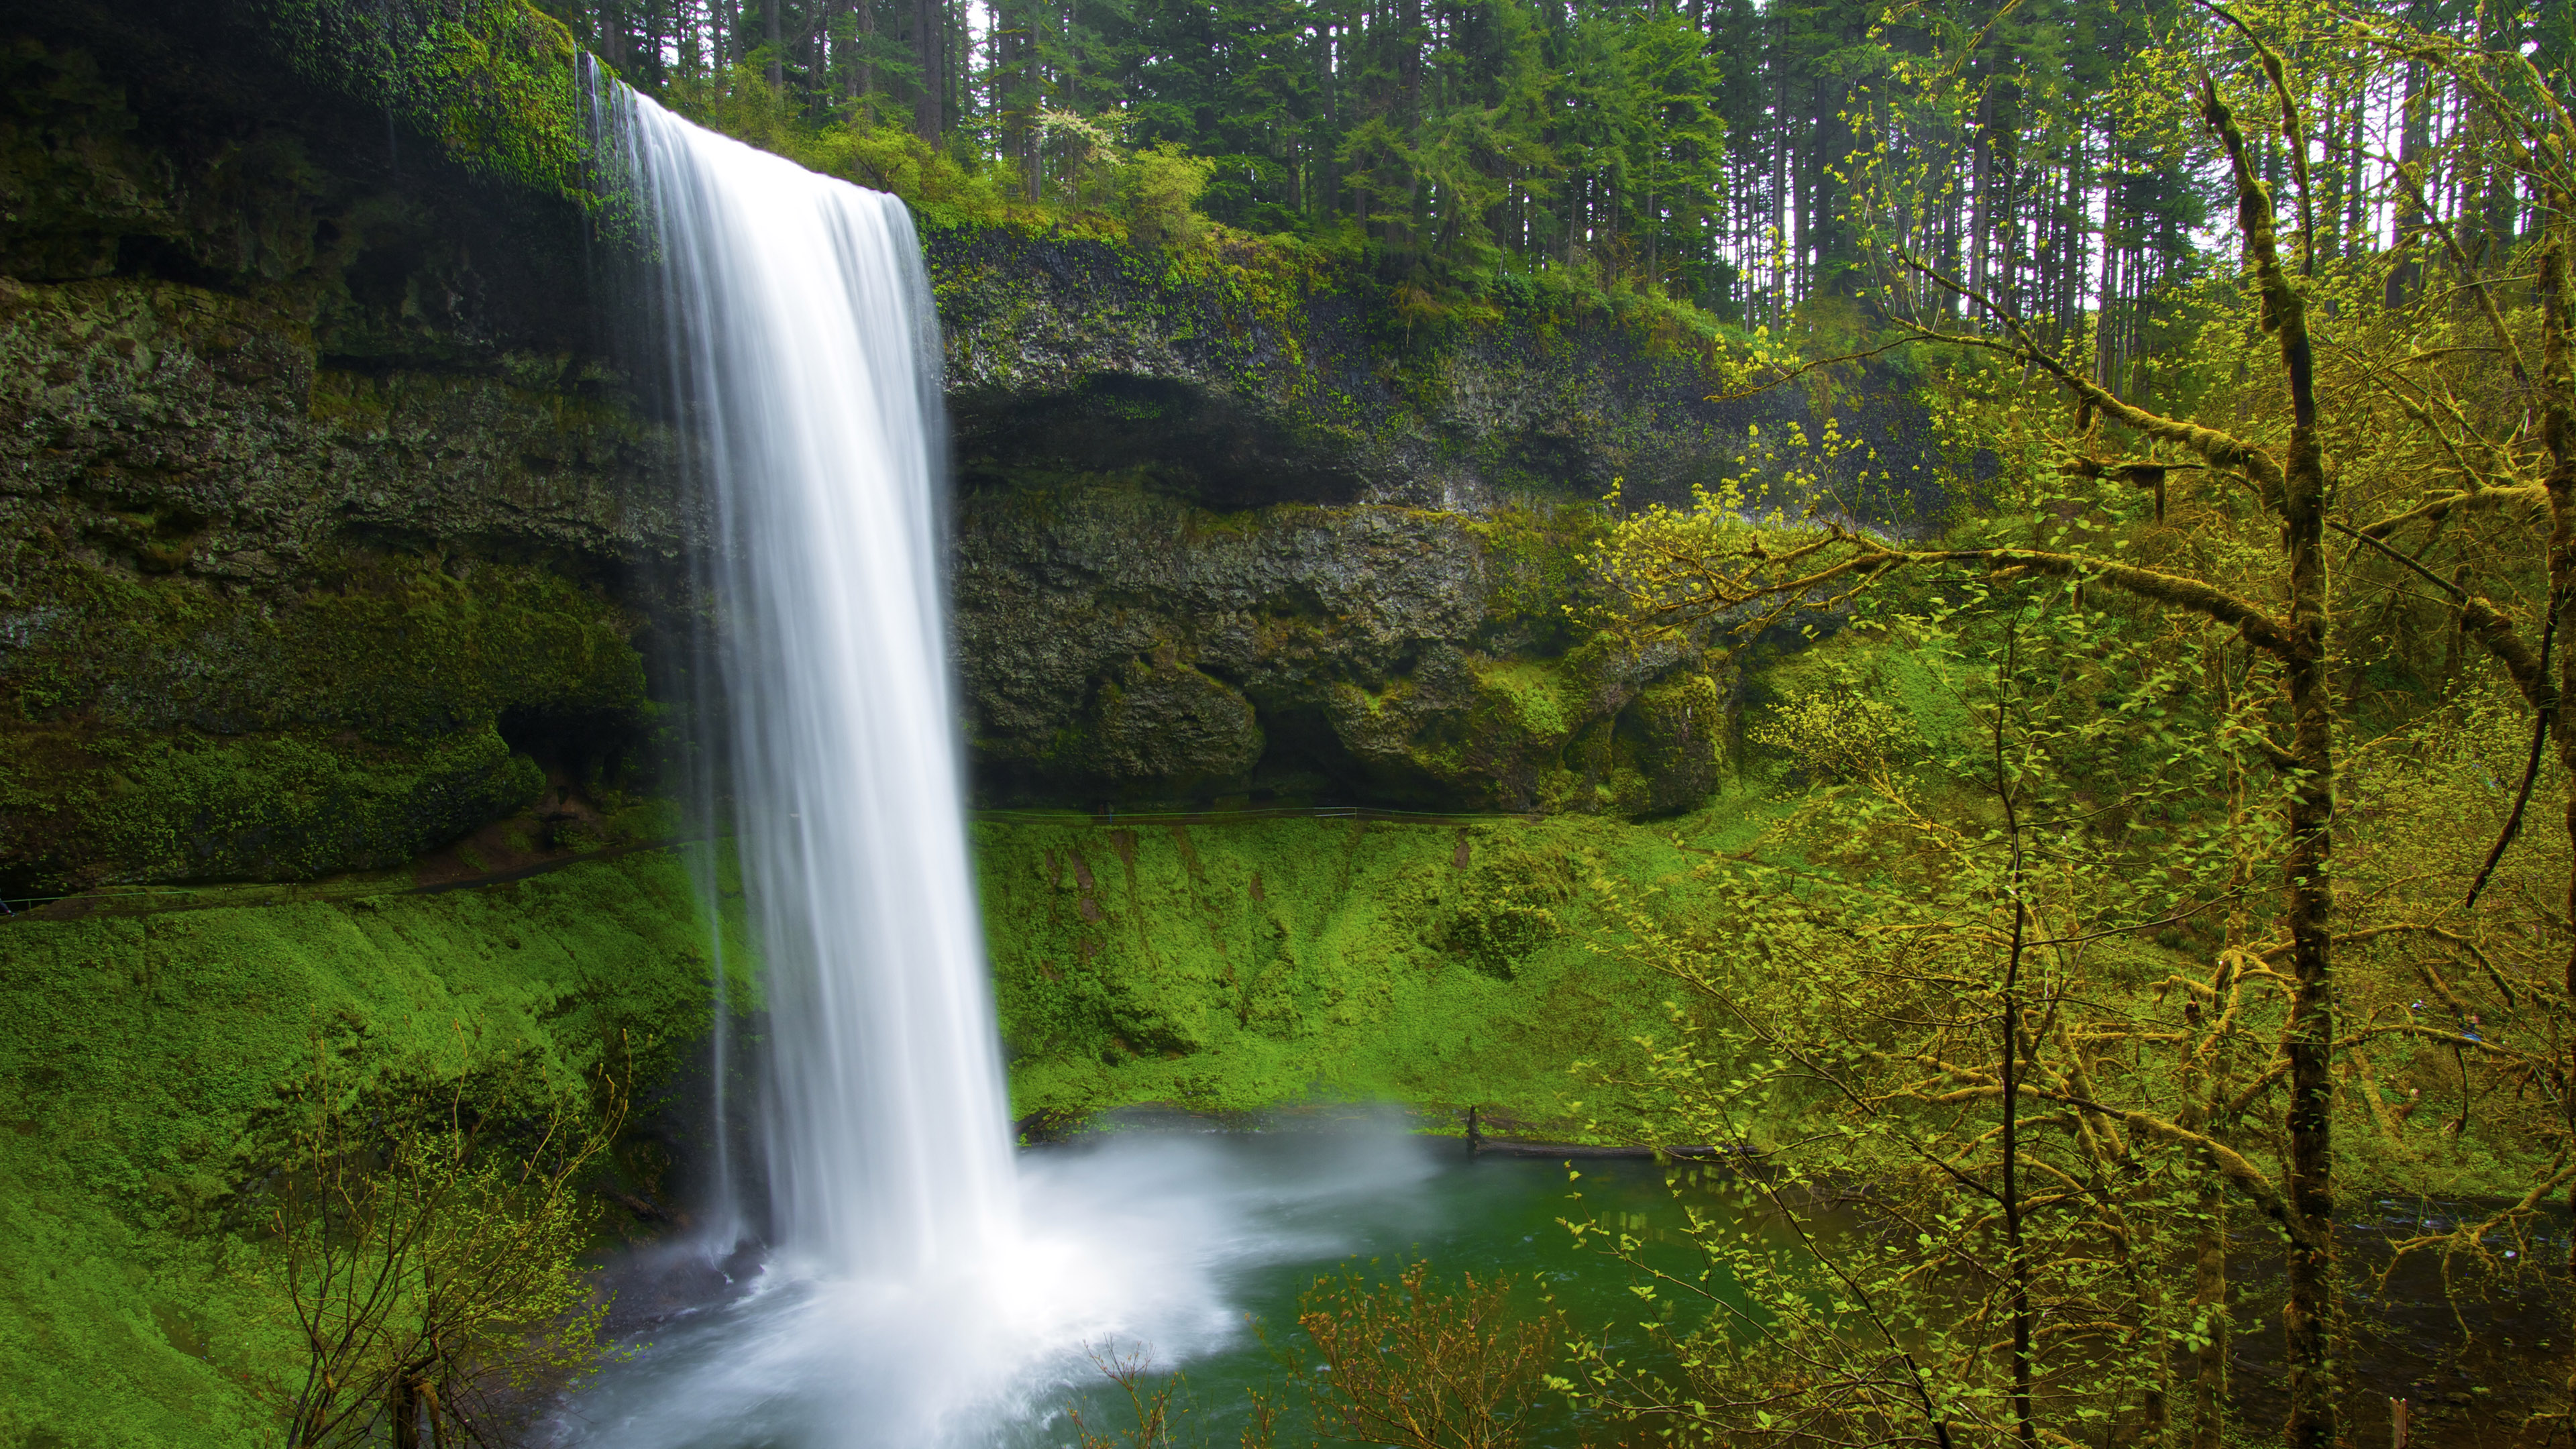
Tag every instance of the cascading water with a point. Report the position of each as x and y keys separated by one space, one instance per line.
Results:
x=905 y=1300
x=806 y=356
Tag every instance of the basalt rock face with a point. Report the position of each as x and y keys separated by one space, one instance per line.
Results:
x=1240 y=386
x=1117 y=644
x=1226 y=527
x=1227 y=530
x=329 y=532
x=317 y=529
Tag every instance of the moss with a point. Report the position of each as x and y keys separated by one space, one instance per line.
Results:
x=161 y=730
x=1672 y=746
x=1509 y=905
x=1869 y=664
x=144 y=1049
x=1165 y=722
x=1238 y=964
x=1524 y=696
x=268 y=809
x=492 y=83
x=1538 y=562
x=397 y=650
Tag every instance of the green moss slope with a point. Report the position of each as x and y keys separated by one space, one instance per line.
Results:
x=1223 y=965
x=1235 y=964
x=143 y=1051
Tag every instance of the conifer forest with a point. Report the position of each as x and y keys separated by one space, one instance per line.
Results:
x=1705 y=149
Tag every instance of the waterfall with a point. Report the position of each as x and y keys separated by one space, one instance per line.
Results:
x=906 y=1300
x=804 y=353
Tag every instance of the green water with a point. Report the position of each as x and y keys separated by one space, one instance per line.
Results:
x=1467 y=1213
x=1166 y=1243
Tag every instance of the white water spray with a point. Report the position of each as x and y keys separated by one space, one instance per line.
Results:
x=806 y=356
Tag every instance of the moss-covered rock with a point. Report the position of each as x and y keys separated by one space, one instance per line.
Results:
x=236 y=436
x=187 y=807
x=1673 y=741
x=309 y=524
x=1119 y=642
x=494 y=85
x=1165 y=722
x=303 y=446
x=1260 y=374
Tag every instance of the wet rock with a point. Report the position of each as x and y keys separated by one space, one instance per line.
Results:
x=1116 y=641
x=304 y=488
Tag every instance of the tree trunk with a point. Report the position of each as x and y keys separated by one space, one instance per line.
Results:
x=2414 y=115
x=2308 y=1317
x=863 y=79
x=954 y=100
x=777 y=47
x=2106 y=310
x=917 y=34
x=1981 y=166
x=1654 y=234
x=1032 y=84
x=2558 y=433
x=402 y=1410
x=926 y=47
x=2016 y=1251
x=2209 y=1305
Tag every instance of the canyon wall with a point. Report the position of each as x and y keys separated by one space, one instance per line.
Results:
x=332 y=532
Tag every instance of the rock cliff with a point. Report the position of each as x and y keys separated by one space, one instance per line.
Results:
x=329 y=530
x=1120 y=644
x=314 y=522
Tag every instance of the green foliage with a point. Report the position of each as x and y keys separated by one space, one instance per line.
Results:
x=1158 y=1418
x=1156 y=192
x=1725 y=164
x=1835 y=987
x=1932 y=999
x=1112 y=123
x=431 y=1256
x=1850 y=1020
x=1416 y=1364
x=1408 y=1361
x=1836 y=736
x=872 y=151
